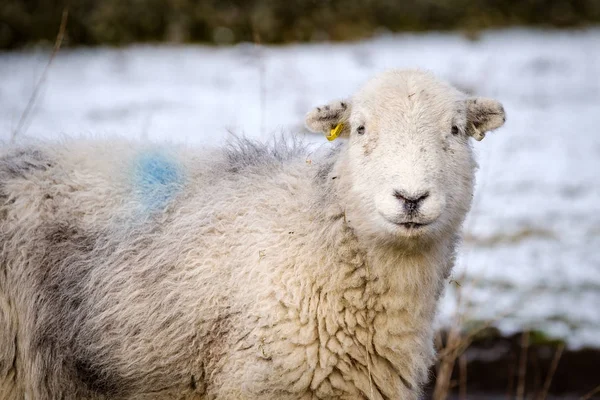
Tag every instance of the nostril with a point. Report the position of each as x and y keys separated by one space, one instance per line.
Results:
x=423 y=197
x=410 y=199
x=399 y=195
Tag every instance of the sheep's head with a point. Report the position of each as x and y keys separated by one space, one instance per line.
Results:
x=408 y=160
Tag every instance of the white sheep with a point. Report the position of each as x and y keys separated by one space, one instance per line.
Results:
x=132 y=271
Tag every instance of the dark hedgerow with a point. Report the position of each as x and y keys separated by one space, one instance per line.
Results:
x=115 y=22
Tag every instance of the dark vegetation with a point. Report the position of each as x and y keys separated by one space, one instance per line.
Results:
x=117 y=22
x=524 y=365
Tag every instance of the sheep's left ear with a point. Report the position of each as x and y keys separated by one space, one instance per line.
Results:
x=330 y=119
x=483 y=115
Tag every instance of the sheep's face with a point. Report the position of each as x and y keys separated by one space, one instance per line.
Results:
x=409 y=161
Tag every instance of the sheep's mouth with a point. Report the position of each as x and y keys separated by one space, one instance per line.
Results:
x=411 y=225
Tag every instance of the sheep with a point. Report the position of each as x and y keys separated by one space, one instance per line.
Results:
x=139 y=271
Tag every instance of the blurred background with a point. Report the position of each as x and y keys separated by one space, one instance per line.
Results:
x=521 y=314
x=118 y=22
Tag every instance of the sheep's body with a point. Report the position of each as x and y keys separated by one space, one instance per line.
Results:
x=133 y=272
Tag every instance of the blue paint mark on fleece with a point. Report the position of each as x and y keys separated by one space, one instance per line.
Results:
x=159 y=178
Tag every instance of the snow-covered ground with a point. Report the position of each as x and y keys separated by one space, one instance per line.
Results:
x=532 y=252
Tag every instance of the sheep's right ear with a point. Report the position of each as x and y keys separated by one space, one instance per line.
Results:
x=327 y=118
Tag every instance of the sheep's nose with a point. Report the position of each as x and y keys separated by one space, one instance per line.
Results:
x=411 y=202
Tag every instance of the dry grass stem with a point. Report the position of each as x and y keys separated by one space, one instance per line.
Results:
x=553 y=366
x=461 y=345
x=462 y=366
x=523 y=365
x=57 y=43
x=446 y=364
x=261 y=80
x=592 y=392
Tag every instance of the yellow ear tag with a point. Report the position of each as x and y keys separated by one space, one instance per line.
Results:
x=335 y=132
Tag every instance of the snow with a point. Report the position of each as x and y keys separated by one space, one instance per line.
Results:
x=531 y=258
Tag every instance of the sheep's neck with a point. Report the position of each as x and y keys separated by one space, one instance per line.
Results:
x=378 y=304
x=383 y=278
x=378 y=300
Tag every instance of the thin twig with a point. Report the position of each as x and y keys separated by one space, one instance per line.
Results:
x=447 y=356
x=456 y=344
x=523 y=365
x=261 y=79
x=462 y=367
x=461 y=345
x=57 y=43
x=551 y=372
x=447 y=361
x=590 y=393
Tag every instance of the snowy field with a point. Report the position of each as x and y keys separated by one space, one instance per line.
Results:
x=531 y=257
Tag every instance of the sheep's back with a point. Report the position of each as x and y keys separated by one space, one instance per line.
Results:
x=119 y=261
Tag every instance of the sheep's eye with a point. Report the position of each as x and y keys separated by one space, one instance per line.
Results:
x=455 y=130
x=360 y=130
